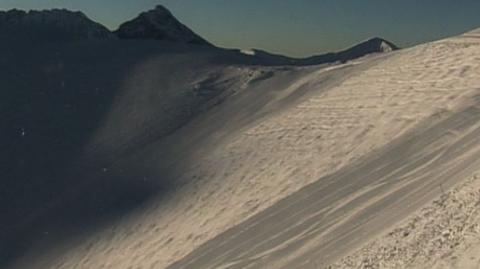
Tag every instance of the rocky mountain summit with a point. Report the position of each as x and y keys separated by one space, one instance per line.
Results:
x=159 y=24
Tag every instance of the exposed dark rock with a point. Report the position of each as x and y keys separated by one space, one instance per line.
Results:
x=50 y=25
x=159 y=24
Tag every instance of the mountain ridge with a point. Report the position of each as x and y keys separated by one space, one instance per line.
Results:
x=155 y=24
x=50 y=25
x=159 y=24
x=369 y=46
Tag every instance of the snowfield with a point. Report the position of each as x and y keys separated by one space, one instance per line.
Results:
x=200 y=157
x=444 y=234
x=394 y=116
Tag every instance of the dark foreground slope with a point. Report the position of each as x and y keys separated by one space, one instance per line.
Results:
x=54 y=99
x=73 y=100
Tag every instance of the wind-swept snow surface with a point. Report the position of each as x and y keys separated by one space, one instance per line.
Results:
x=376 y=146
x=298 y=166
x=164 y=154
x=444 y=234
x=96 y=128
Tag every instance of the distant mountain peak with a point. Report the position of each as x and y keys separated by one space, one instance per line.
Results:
x=51 y=25
x=159 y=24
x=379 y=45
x=161 y=8
x=369 y=46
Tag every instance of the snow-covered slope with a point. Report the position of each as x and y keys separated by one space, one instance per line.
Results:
x=159 y=24
x=69 y=110
x=140 y=153
x=281 y=129
x=445 y=234
x=372 y=120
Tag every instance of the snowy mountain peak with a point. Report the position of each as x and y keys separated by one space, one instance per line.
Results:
x=380 y=45
x=159 y=24
x=51 y=25
x=370 y=46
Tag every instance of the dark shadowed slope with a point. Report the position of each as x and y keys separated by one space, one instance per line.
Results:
x=77 y=99
x=69 y=111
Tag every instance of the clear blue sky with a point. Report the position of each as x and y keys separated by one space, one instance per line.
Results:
x=294 y=27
